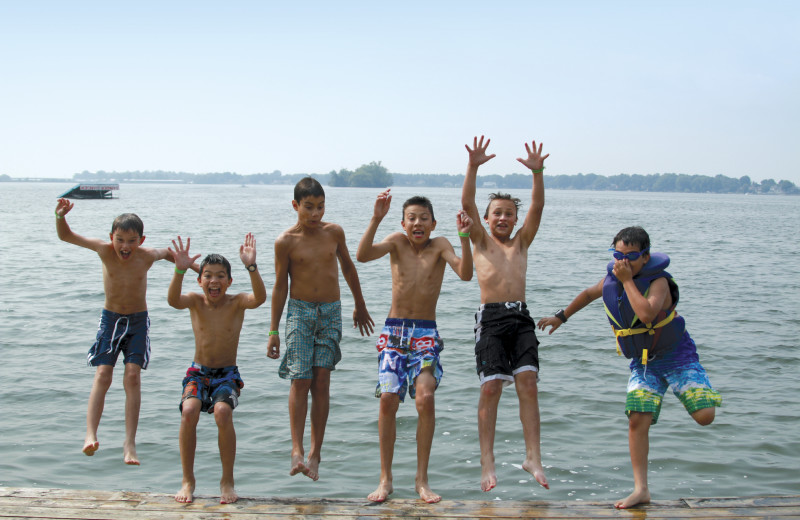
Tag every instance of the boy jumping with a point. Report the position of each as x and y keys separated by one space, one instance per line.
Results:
x=506 y=348
x=124 y=322
x=212 y=383
x=307 y=253
x=640 y=299
x=409 y=344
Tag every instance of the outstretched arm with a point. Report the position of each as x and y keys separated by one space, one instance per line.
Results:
x=586 y=297
x=462 y=266
x=163 y=253
x=64 y=206
x=280 y=291
x=361 y=318
x=180 y=256
x=535 y=162
x=367 y=250
x=477 y=157
x=247 y=253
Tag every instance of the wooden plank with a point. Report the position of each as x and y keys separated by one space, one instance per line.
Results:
x=97 y=504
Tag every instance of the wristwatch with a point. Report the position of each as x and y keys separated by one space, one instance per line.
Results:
x=252 y=268
x=561 y=316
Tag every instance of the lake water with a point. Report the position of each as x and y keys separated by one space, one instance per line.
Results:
x=735 y=257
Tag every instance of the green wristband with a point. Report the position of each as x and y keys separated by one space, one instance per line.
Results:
x=180 y=271
x=273 y=333
x=540 y=170
x=461 y=234
x=57 y=215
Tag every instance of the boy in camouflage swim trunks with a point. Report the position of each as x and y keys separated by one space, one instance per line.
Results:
x=212 y=382
x=409 y=344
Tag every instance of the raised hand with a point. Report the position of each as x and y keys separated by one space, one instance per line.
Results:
x=535 y=159
x=463 y=222
x=622 y=270
x=382 y=204
x=181 y=254
x=63 y=207
x=247 y=251
x=477 y=154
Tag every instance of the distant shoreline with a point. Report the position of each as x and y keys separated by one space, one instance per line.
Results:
x=655 y=183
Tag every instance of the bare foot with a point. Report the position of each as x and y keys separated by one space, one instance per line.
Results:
x=129 y=454
x=639 y=496
x=313 y=469
x=538 y=473
x=488 y=477
x=427 y=494
x=297 y=465
x=186 y=493
x=90 y=446
x=229 y=495
x=382 y=493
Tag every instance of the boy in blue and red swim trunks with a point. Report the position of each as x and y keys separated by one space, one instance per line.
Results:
x=409 y=343
x=212 y=383
x=640 y=299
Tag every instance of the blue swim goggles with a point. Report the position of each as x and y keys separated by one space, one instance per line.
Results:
x=632 y=256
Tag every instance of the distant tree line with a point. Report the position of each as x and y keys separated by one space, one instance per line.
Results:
x=375 y=175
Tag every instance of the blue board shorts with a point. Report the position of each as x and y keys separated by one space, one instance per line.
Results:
x=313 y=333
x=689 y=383
x=505 y=341
x=212 y=386
x=127 y=333
x=406 y=348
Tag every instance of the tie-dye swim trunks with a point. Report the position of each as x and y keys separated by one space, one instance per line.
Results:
x=406 y=348
x=689 y=382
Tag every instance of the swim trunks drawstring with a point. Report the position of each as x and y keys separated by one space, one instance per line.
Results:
x=111 y=347
x=514 y=305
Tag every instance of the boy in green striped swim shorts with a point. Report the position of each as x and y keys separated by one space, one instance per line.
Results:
x=640 y=299
x=307 y=254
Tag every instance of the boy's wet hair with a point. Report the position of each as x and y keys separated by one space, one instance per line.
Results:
x=501 y=196
x=633 y=236
x=215 y=259
x=308 y=187
x=419 y=200
x=128 y=222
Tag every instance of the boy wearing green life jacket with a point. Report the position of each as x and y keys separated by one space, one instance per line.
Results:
x=640 y=300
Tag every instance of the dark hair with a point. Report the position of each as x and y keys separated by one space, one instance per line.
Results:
x=419 y=200
x=308 y=187
x=215 y=259
x=633 y=236
x=501 y=196
x=128 y=222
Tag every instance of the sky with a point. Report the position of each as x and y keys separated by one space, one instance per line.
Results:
x=695 y=87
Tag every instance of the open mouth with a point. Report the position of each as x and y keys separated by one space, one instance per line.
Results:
x=418 y=234
x=125 y=254
x=214 y=292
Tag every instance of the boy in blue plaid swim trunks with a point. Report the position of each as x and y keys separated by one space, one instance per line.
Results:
x=640 y=300
x=409 y=344
x=307 y=254
x=212 y=383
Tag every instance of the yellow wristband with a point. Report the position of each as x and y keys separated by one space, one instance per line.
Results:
x=180 y=271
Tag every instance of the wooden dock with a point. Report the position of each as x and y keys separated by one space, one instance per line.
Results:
x=92 y=504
